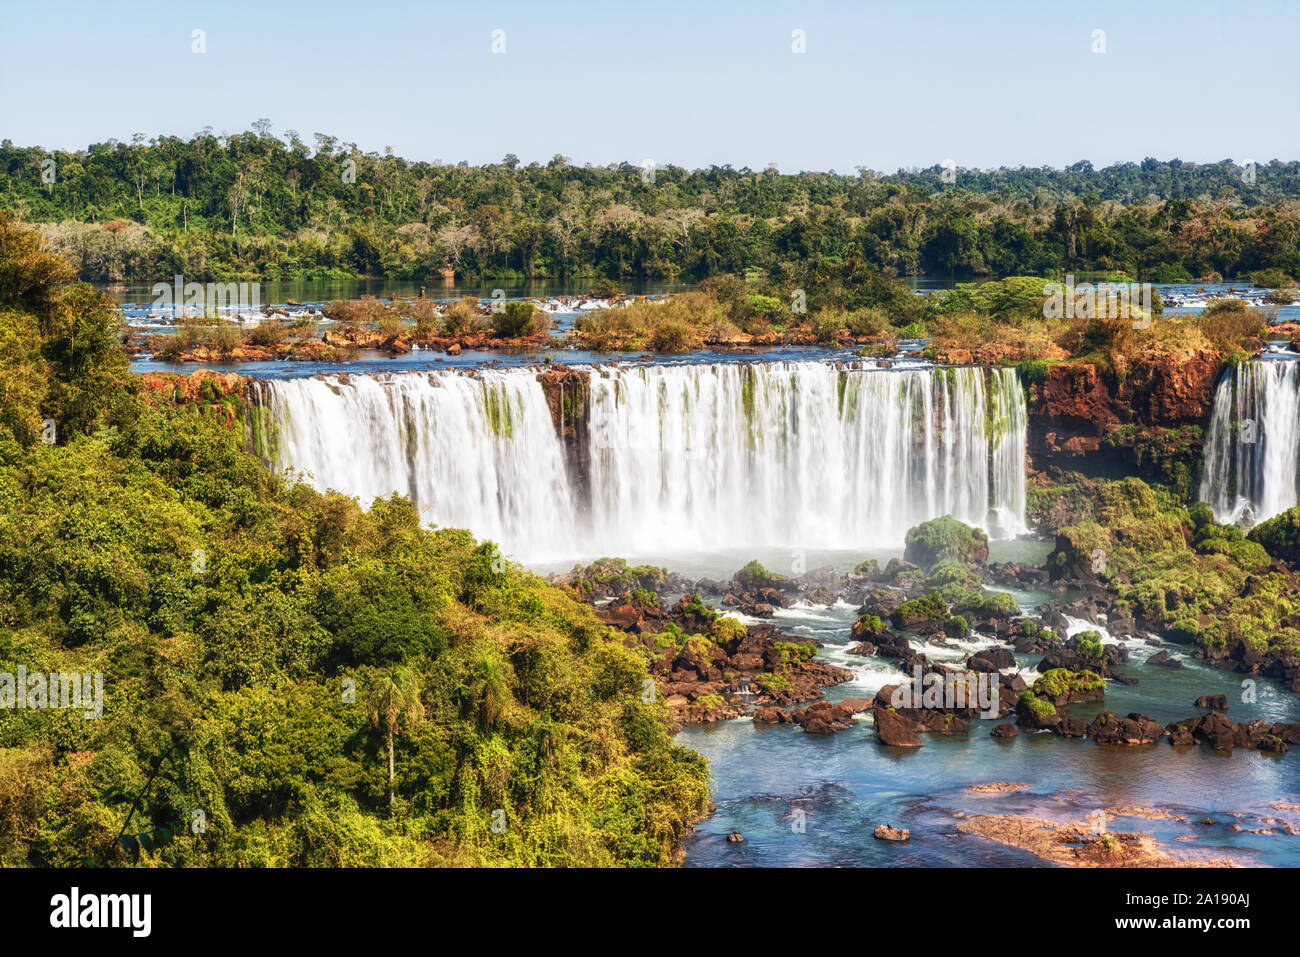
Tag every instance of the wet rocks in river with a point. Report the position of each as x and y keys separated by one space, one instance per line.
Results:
x=1109 y=728
x=1016 y=575
x=991 y=660
x=712 y=668
x=823 y=718
x=1213 y=702
x=772 y=716
x=894 y=730
x=884 y=832
x=1161 y=659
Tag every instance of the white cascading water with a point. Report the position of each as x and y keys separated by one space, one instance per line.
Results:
x=476 y=452
x=800 y=453
x=682 y=457
x=1252 y=451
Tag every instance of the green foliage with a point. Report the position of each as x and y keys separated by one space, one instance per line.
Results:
x=772 y=682
x=1014 y=295
x=943 y=538
x=868 y=626
x=1059 y=682
x=725 y=629
x=1171 y=566
x=250 y=204
x=754 y=576
x=1280 y=535
x=1036 y=705
x=1089 y=645
x=929 y=607
x=517 y=319
x=1032 y=371
x=793 y=653
x=268 y=652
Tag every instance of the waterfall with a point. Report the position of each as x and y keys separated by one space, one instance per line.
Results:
x=476 y=452
x=801 y=453
x=1252 y=452
x=677 y=458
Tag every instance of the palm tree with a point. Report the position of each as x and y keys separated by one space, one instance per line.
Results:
x=489 y=687
x=393 y=692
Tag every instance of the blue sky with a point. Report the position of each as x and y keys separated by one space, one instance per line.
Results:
x=882 y=84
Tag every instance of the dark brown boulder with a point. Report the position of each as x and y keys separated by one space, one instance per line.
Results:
x=1071 y=728
x=1109 y=728
x=1180 y=733
x=1005 y=730
x=1215 y=730
x=895 y=730
x=991 y=659
x=1162 y=660
x=1290 y=733
x=1213 y=702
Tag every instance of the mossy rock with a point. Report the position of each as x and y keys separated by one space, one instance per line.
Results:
x=868 y=626
x=917 y=611
x=754 y=576
x=932 y=542
x=1060 y=686
x=1280 y=535
x=725 y=629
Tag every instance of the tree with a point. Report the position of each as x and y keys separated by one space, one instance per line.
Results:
x=393 y=692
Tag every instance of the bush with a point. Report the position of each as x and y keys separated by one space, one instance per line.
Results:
x=268 y=332
x=1088 y=644
x=462 y=318
x=754 y=576
x=1032 y=371
x=517 y=319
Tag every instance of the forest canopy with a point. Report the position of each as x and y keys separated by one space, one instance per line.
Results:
x=254 y=205
x=287 y=679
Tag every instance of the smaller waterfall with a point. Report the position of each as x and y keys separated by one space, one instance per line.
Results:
x=474 y=451
x=1252 y=451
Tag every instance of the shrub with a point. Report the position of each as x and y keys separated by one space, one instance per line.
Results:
x=1032 y=371
x=518 y=319
x=268 y=332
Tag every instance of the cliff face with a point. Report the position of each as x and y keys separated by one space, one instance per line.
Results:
x=567 y=392
x=220 y=394
x=1079 y=405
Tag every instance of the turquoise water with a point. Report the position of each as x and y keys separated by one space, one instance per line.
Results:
x=846 y=784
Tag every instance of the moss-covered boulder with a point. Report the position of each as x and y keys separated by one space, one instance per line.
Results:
x=868 y=627
x=1061 y=687
x=1280 y=535
x=754 y=577
x=1034 y=712
x=926 y=613
x=932 y=542
x=979 y=605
